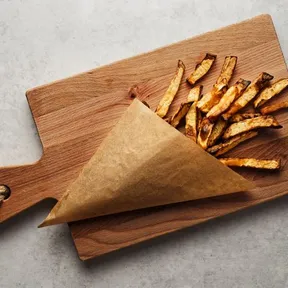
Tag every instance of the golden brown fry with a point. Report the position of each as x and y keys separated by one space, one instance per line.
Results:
x=194 y=94
x=251 y=163
x=251 y=124
x=227 y=70
x=222 y=148
x=212 y=98
x=172 y=90
x=201 y=68
x=204 y=133
x=248 y=95
x=180 y=114
x=241 y=117
x=273 y=108
x=217 y=131
x=271 y=92
x=193 y=117
x=191 y=128
x=219 y=89
x=233 y=93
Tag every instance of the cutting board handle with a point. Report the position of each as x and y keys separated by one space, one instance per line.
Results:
x=23 y=182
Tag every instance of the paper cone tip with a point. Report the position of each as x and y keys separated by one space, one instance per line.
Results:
x=49 y=220
x=45 y=223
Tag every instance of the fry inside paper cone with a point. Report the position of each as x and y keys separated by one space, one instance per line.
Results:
x=143 y=162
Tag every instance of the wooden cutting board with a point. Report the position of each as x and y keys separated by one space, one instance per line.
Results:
x=75 y=114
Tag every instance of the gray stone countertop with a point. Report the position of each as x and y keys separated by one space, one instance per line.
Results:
x=45 y=40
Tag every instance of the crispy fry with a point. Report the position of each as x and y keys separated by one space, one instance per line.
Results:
x=217 y=132
x=212 y=98
x=191 y=128
x=201 y=68
x=219 y=89
x=252 y=163
x=193 y=117
x=240 y=117
x=172 y=90
x=227 y=70
x=194 y=94
x=273 y=108
x=204 y=133
x=228 y=98
x=271 y=92
x=181 y=112
x=248 y=95
x=222 y=148
x=251 y=124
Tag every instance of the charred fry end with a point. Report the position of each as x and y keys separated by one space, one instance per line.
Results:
x=252 y=163
x=201 y=69
x=181 y=64
x=205 y=131
x=271 y=92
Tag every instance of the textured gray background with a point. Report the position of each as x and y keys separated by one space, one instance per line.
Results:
x=46 y=40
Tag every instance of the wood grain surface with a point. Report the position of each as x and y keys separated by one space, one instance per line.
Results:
x=75 y=114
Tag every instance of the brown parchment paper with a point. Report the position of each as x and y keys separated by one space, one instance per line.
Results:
x=143 y=162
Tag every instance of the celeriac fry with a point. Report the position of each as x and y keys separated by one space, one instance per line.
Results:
x=217 y=131
x=228 y=98
x=172 y=90
x=194 y=93
x=193 y=116
x=251 y=124
x=222 y=148
x=240 y=117
x=227 y=69
x=204 y=133
x=273 y=108
x=201 y=68
x=251 y=163
x=181 y=112
x=191 y=128
x=213 y=97
x=252 y=90
x=271 y=92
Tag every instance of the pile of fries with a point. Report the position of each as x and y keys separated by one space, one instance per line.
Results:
x=215 y=121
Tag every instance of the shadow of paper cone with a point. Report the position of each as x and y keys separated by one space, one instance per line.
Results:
x=143 y=162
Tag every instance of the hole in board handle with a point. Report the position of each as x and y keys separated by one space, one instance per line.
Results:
x=5 y=192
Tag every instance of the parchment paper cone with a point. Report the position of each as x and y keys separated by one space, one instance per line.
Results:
x=143 y=162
